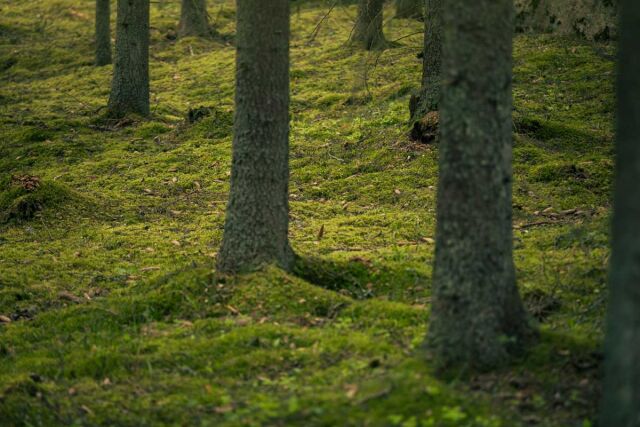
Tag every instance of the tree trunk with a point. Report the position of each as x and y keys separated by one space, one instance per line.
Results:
x=590 y=19
x=103 y=32
x=130 y=84
x=477 y=317
x=368 y=28
x=621 y=402
x=194 y=20
x=257 y=222
x=409 y=8
x=428 y=98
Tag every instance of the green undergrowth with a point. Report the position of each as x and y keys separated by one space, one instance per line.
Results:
x=109 y=230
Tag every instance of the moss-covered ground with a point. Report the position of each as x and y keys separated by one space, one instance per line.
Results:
x=113 y=313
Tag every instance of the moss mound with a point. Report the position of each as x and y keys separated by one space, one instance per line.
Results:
x=25 y=196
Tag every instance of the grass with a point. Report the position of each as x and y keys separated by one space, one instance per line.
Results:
x=107 y=267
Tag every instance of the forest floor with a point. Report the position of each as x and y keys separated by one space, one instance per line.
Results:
x=113 y=314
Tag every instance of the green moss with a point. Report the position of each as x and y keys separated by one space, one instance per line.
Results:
x=107 y=268
x=18 y=204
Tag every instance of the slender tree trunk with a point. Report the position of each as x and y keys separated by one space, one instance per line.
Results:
x=428 y=98
x=477 y=317
x=257 y=222
x=130 y=84
x=409 y=8
x=194 y=20
x=368 y=28
x=621 y=403
x=103 y=32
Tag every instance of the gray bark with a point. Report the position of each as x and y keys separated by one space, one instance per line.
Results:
x=103 y=32
x=477 y=317
x=590 y=19
x=368 y=28
x=409 y=8
x=194 y=20
x=130 y=84
x=428 y=98
x=621 y=402
x=257 y=221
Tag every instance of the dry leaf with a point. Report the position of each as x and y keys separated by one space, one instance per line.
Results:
x=351 y=390
x=223 y=409
x=68 y=296
x=5 y=319
x=86 y=409
x=321 y=232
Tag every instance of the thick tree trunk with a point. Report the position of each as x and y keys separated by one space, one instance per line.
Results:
x=428 y=98
x=257 y=222
x=103 y=32
x=477 y=317
x=591 y=19
x=409 y=8
x=621 y=403
x=194 y=20
x=368 y=28
x=130 y=84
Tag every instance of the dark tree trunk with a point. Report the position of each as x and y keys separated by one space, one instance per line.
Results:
x=477 y=317
x=591 y=19
x=429 y=96
x=257 y=222
x=368 y=28
x=194 y=20
x=409 y=8
x=130 y=84
x=103 y=32
x=621 y=403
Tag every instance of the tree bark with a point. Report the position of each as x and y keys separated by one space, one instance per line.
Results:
x=621 y=401
x=428 y=98
x=368 y=28
x=130 y=84
x=409 y=9
x=590 y=19
x=257 y=221
x=103 y=32
x=194 y=20
x=477 y=317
